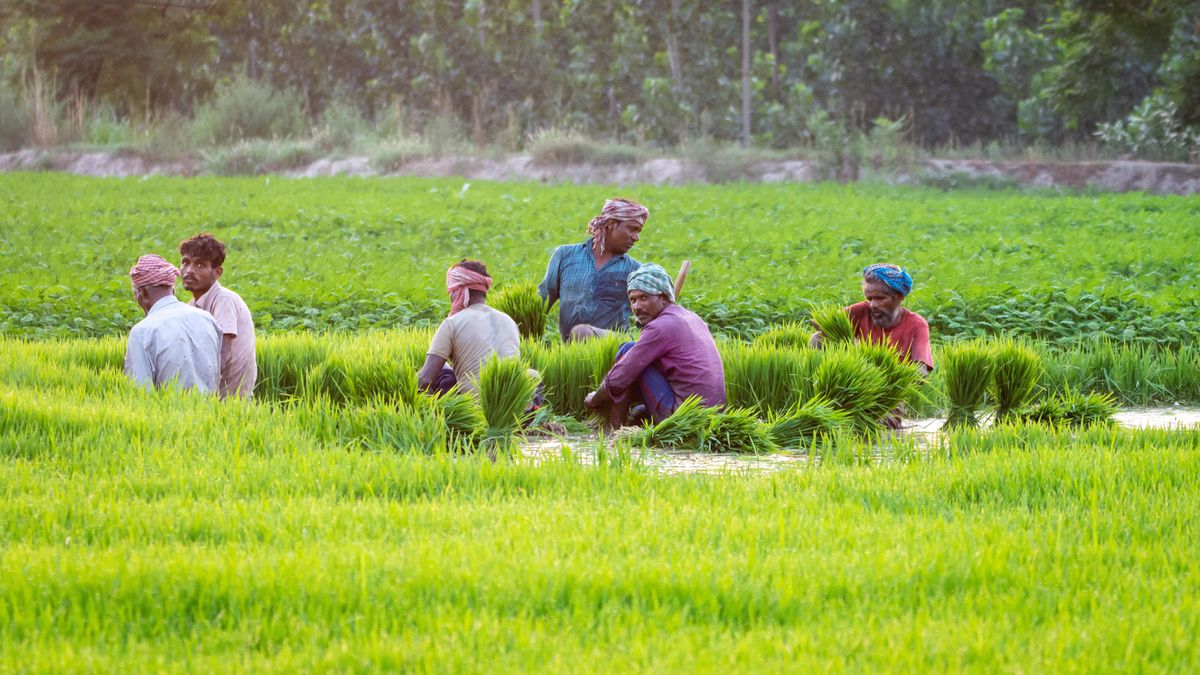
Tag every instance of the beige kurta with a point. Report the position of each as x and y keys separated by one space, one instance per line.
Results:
x=469 y=337
x=239 y=369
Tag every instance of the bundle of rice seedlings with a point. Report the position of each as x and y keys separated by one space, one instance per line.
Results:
x=789 y=335
x=506 y=388
x=967 y=371
x=462 y=415
x=806 y=424
x=344 y=380
x=737 y=430
x=833 y=322
x=1071 y=408
x=901 y=379
x=852 y=385
x=1016 y=374
x=525 y=305
x=764 y=377
x=570 y=371
x=685 y=428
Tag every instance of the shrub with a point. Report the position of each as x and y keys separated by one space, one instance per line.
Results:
x=248 y=109
x=14 y=132
x=399 y=152
x=260 y=156
x=525 y=305
x=555 y=147
x=341 y=124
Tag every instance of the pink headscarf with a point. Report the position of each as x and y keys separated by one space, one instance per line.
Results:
x=616 y=209
x=153 y=270
x=460 y=280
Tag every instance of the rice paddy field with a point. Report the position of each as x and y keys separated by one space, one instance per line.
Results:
x=344 y=522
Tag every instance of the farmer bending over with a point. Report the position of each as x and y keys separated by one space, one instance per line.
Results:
x=674 y=358
x=880 y=317
x=202 y=257
x=588 y=279
x=174 y=342
x=469 y=335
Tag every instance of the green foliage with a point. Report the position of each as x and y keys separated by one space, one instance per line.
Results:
x=967 y=370
x=766 y=379
x=14 y=132
x=462 y=415
x=1154 y=130
x=834 y=324
x=1072 y=409
x=525 y=306
x=246 y=109
x=788 y=335
x=554 y=147
x=686 y=428
x=852 y=385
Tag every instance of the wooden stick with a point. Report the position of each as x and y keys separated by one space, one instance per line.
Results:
x=679 y=278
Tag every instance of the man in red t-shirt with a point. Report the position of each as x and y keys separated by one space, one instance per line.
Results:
x=881 y=317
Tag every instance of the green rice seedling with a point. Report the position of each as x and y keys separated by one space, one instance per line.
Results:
x=570 y=371
x=525 y=306
x=1016 y=374
x=807 y=423
x=788 y=335
x=1072 y=408
x=284 y=361
x=765 y=377
x=103 y=354
x=462 y=415
x=901 y=379
x=851 y=384
x=379 y=427
x=967 y=369
x=834 y=323
x=685 y=428
x=737 y=430
x=506 y=388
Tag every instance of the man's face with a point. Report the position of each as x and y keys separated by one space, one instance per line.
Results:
x=623 y=235
x=883 y=302
x=198 y=274
x=647 y=306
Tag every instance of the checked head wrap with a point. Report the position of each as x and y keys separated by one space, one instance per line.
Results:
x=459 y=282
x=153 y=270
x=616 y=209
x=653 y=279
x=897 y=279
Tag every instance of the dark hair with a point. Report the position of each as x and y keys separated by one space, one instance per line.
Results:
x=205 y=247
x=473 y=265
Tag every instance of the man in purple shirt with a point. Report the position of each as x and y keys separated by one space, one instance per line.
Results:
x=675 y=357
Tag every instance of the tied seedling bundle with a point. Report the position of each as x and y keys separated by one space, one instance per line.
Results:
x=525 y=306
x=506 y=389
x=834 y=323
x=1016 y=374
x=967 y=369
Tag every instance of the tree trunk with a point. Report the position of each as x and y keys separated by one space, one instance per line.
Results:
x=773 y=40
x=745 y=73
x=537 y=18
x=673 y=60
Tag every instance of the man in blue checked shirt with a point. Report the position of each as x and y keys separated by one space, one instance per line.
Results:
x=588 y=279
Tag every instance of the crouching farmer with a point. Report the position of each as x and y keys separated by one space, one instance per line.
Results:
x=471 y=334
x=675 y=357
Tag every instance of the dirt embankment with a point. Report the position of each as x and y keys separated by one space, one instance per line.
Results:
x=1115 y=176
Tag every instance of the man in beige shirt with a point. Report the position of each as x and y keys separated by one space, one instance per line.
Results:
x=202 y=257
x=471 y=334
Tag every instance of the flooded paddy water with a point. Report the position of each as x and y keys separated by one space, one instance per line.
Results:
x=915 y=435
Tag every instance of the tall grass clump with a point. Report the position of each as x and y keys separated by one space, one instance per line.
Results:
x=833 y=322
x=1016 y=374
x=737 y=430
x=685 y=428
x=851 y=384
x=14 y=130
x=525 y=306
x=816 y=419
x=557 y=147
x=967 y=373
x=506 y=388
x=766 y=378
x=247 y=109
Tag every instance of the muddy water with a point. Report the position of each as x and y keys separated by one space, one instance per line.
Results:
x=916 y=433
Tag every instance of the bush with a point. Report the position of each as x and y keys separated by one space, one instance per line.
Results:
x=248 y=109
x=260 y=156
x=554 y=147
x=14 y=133
x=341 y=124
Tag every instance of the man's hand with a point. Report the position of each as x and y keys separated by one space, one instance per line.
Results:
x=590 y=401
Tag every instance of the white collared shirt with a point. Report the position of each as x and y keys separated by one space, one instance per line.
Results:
x=175 y=342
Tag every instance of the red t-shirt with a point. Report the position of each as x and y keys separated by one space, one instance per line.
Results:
x=910 y=335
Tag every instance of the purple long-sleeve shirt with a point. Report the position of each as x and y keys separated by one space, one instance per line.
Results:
x=682 y=347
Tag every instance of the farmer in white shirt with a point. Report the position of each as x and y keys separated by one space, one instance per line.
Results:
x=175 y=342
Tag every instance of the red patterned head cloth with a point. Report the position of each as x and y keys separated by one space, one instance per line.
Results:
x=460 y=280
x=153 y=270
x=616 y=209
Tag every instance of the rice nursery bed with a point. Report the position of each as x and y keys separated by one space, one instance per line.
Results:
x=169 y=531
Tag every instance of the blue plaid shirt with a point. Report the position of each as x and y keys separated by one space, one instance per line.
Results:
x=588 y=295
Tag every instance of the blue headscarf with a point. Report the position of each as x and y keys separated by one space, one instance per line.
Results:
x=896 y=278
